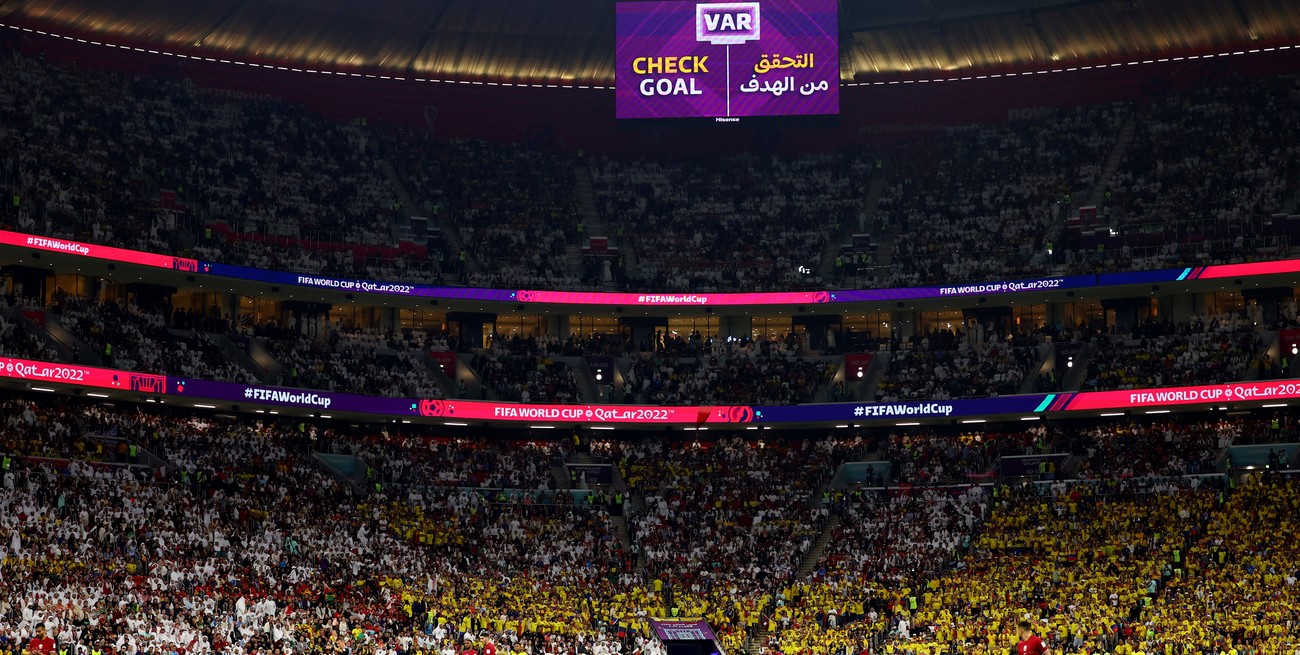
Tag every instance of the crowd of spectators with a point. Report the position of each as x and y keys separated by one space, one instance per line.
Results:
x=724 y=525
x=747 y=223
x=1080 y=567
x=881 y=543
x=357 y=360
x=514 y=208
x=979 y=202
x=422 y=461
x=16 y=340
x=526 y=370
x=241 y=541
x=761 y=374
x=941 y=364
x=1121 y=450
x=153 y=164
x=1205 y=169
x=1238 y=587
x=241 y=544
x=1112 y=450
x=925 y=457
x=161 y=165
x=128 y=336
x=944 y=364
x=1204 y=350
x=77 y=158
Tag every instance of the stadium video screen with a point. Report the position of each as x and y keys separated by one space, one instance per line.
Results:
x=727 y=60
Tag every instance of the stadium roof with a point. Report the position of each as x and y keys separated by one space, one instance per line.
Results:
x=570 y=41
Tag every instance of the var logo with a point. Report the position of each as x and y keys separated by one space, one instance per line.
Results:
x=726 y=23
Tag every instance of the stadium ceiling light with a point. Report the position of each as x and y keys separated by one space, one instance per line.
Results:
x=1272 y=405
x=1113 y=414
x=202 y=406
x=93 y=394
x=599 y=87
x=909 y=423
x=1031 y=418
x=841 y=426
x=459 y=425
x=752 y=427
x=974 y=420
x=1157 y=411
x=594 y=427
x=45 y=389
x=542 y=427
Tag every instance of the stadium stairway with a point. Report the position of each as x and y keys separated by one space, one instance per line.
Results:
x=66 y=340
x=271 y=367
x=450 y=233
x=866 y=223
x=146 y=456
x=1122 y=144
x=596 y=226
x=235 y=354
x=755 y=640
x=439 y=376
x=636 y=506
x=474 y=386
x=1268 y=343
x=622 y=365
x=625 y=538
x=826 y=392
x=588 y=392
x=347 y=469
x=1097 y=195
x=24 y=322
x=560 y=475
x=814 y=554
x=866 y=390
x=1075 y=377
x=1030 y=384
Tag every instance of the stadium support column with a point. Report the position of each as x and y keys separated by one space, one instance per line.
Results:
x=645 y=329
x=1177 y=308
x=815 y=327
x=230 y=307
x=558 y=325
x=152 y=295
x=904 y=324
x=1128 y=312
x=1056 y=315
x=1264 y=306
x=739 y=327
x=308 y=318
x=472 y=328
x=390 y=319
x=33 y=282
